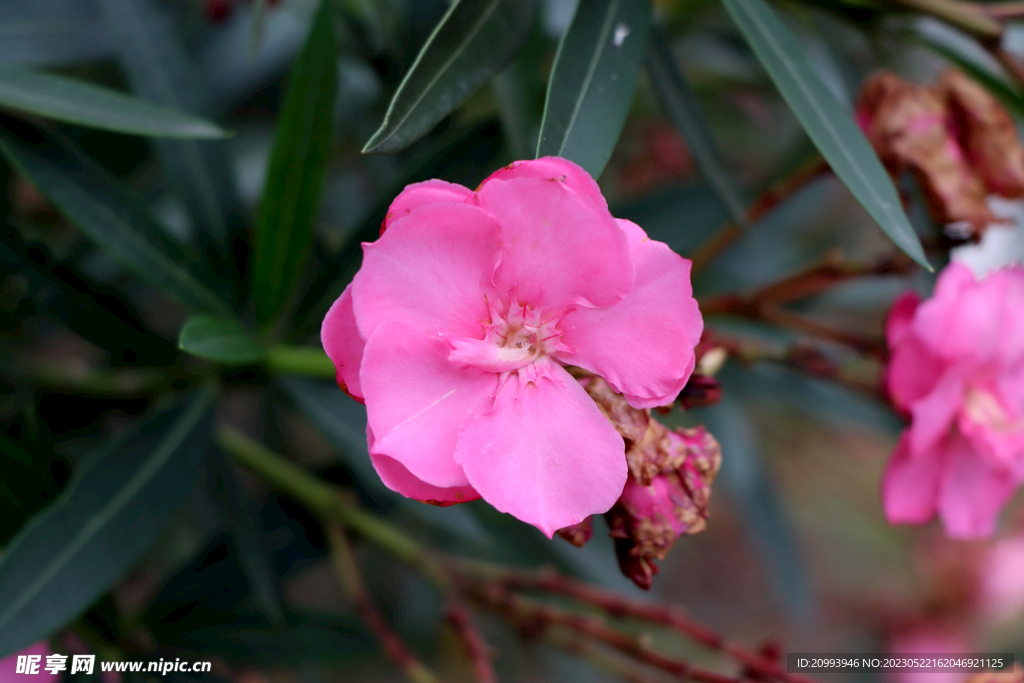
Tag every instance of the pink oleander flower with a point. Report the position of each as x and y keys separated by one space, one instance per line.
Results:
x=455 y=330
x=957 y=369
x=9 y=665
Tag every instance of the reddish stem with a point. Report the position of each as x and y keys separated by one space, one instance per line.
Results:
x=476 y=647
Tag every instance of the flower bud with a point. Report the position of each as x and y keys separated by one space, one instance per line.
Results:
x=648 y=518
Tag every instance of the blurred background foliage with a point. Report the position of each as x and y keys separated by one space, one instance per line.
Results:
x=186 y=192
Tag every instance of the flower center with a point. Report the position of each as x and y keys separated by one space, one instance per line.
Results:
x=986 y=410
x=511 y=340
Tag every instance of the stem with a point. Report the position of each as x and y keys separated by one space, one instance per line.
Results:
x=1008 y=62
x=329 y=502
x=769 y=199
x=476 y=647
x=300 y=360
x=535 y=618
x=617 y=606
x=596 y=656
x=348 y=574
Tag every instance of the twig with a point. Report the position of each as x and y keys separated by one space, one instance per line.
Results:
x=768 y=200
x=801 y=356
x=597 y=656
x=1008 y=62
x=476 y=647
x=1002 y=11
x=348 y=574
x=535 y=618
x=968 y=17
x=620 y=607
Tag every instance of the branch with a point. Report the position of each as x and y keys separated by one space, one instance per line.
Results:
x=535 y=618
x=348 y=574
x=620 y=607
x=769 y=199
x=476 y=647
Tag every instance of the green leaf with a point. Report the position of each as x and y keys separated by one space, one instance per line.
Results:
x=827 y=123
x=159 y=68
x=104 y=209
x=473 y=41
x=593 y=80
x=684 y=110
x=85 y=104
x=248 y=541
x=221 y=339
x=102 y=524
x=301 y=148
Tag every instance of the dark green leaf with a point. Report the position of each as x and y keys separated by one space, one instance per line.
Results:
x=248 y=540
x=104 y=209
x=684 y=110
x=220 y=338
x=82 y=103
x=473 y=41
x=827 y=123
x=301 y=149
x=98 y=313
x=106 y=519
x=159 y=69
x=593 y=80
x=246 y=638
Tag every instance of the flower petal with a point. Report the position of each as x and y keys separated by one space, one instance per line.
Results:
x=342 y=343
x=972 y=492
x=643 y=345
x=400 y=480
x=416 y=401
x=554 y=168
x=910 y=486
x=545 y=454
x=429 y=270
x=935 y=413
x=558 y=249
x=422 y=194
x=912 y=372
x=901 y=315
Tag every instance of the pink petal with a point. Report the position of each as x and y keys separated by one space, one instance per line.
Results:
x=912 y=373
x=554 y=168
x=400 y=480
x=416 y=401
x=9 y=665
x=423 y=194
x=429 y=270
x=643 y=345
x=901 y=315
x=545 y=454
x=910 y=486
x=558 y=249
x=972 y=492
x=342 y=343
x=934 y=414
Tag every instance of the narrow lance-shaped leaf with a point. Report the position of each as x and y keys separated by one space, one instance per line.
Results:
x=301 y=147
x=220 y=338
x=1010 y=96
x=473 y=41
x=159 y=69
x=827 y=123
x=684 y=110
x=85 y=104
x=102 y=524
x=112 y=217
x=593 y=80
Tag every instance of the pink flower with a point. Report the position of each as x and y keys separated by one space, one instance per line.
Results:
x=957 y=369
x=455 y=331
x=9 y=665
